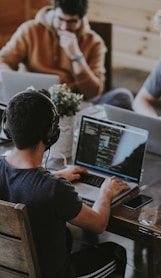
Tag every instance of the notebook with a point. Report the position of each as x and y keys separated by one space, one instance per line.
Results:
x=107 y=148
x=17 y=81
x=153 y=125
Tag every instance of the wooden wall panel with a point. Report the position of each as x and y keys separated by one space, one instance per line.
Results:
x=122 y=59
x=12 y=14
x=132 y=14
x=37 y=5
x=135 y=41
x=146 y=43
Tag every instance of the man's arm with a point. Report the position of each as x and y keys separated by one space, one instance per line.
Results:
x=87 y=80
x=96 y=218
x=14 y=51
x=143 y=103
x=71 y=173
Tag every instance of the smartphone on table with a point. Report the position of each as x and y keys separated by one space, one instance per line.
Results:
x=138 y=201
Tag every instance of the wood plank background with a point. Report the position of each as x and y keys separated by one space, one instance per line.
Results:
x=136 y=44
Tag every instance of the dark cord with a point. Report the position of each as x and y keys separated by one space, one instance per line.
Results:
x=47 y=157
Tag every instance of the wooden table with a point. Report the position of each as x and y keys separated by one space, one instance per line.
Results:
x=144 y=224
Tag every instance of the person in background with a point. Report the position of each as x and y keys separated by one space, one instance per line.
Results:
x=150 y=92
x=31 y=120
x=60 y=41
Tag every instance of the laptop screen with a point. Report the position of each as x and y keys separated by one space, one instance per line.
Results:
x=17 y=81
x=111 y=148
x=3 y=137
x=129 y=117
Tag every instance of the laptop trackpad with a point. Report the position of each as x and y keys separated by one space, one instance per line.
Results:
x=87 y=191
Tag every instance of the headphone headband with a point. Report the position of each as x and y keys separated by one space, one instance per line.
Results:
x=41 y=94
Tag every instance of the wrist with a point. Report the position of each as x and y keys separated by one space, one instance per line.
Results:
x=77 y=58
x=107 y=193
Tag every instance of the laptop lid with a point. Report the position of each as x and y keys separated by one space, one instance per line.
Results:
x=153 y=125
x=109 y=148
x=3 y=137
x=17 y=81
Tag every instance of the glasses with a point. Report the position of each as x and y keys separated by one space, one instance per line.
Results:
x=71 y=22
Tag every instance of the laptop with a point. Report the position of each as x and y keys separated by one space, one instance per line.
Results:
x=17 y=81
x=107 y=148
x=3 y=137
x=153 y=125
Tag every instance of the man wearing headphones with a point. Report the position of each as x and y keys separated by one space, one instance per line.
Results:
x=31 y=120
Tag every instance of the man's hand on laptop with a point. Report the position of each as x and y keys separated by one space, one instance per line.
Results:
x=115 y=185
x=72 y=173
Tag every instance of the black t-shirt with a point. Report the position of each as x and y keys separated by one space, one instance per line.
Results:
x=50 y=201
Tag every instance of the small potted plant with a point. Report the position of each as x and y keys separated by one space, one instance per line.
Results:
x=68 y=104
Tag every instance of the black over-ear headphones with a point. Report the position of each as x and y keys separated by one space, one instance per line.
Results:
x=53 y=133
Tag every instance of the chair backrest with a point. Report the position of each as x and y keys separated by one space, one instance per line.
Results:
x=105 y=31
x=17 y=251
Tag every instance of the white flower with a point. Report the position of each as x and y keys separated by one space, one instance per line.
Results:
x=67 y=102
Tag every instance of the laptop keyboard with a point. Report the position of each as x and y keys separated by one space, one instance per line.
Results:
x=92 y=179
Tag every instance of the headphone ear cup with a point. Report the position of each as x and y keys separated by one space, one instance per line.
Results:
x=4 y=125
x=52 y=136
x=56 y=134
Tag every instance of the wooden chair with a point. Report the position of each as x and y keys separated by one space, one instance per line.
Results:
x=105 y=31
x=17 y=252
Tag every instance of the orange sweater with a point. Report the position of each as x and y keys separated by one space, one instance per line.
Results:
x=36 y=45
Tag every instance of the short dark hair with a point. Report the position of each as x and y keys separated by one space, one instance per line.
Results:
x=29 y=118
x=72 y=7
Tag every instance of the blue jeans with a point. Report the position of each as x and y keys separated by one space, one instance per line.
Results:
x=120 y=97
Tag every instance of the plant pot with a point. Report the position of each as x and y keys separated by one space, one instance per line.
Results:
x=64 y=146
